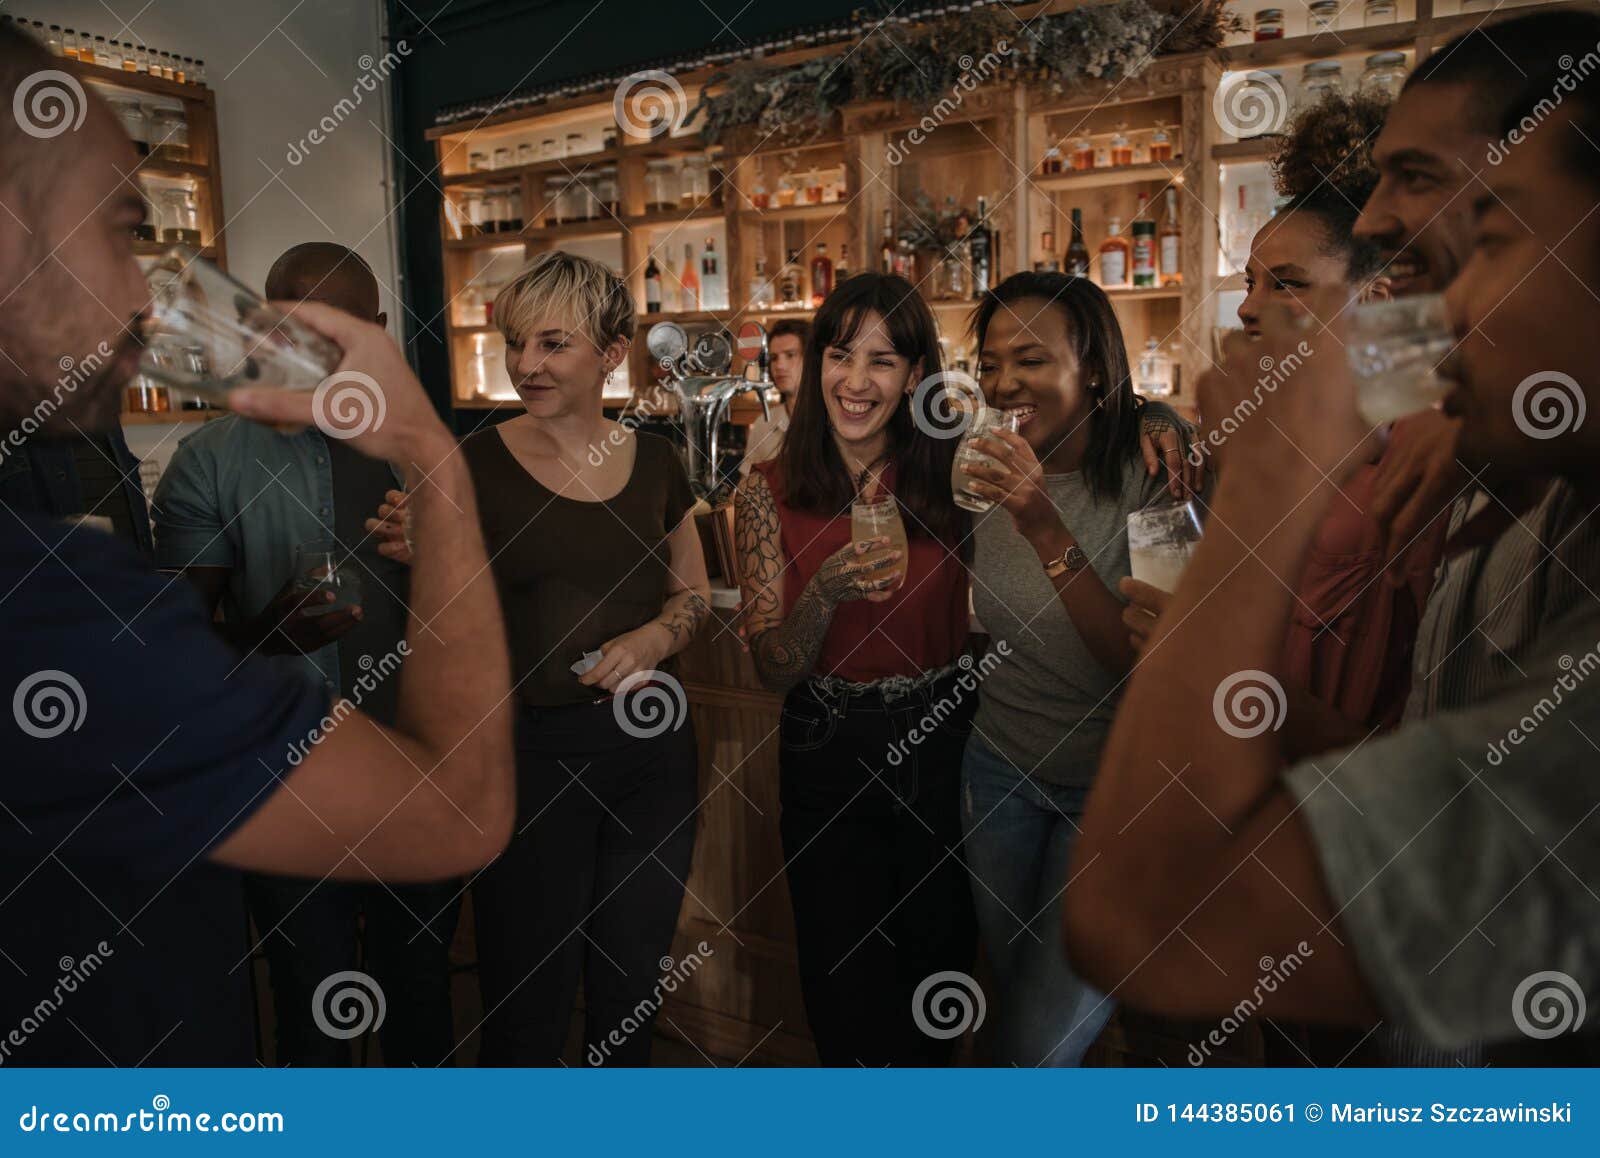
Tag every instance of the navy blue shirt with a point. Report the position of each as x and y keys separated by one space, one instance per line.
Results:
x=132 y=741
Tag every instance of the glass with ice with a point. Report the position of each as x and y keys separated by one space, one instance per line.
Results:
x=1394 y=350
x=985 y=422
x=1160 y=542
x=880 y=518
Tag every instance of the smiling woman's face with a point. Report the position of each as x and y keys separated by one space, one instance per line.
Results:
x=863 y=379
x=556 y=368
x=1029 y=365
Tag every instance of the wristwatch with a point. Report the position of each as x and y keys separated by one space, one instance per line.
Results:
x=1072 y=559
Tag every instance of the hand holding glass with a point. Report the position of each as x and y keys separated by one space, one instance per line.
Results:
x=1160 y=542
x=322 y=565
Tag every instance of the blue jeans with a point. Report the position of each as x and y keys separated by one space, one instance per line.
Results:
x=1019 y=834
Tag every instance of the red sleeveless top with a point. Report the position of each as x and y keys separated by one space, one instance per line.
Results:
x=922 y=626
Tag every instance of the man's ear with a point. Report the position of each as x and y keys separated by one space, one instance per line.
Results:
x=382 y=320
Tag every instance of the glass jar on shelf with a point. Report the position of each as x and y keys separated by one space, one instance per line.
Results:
x=589 y=197
x=1269 y=24
x=147 y=396
x=786 y=192
x=575 y=144
x=606 y=186
x=131 y=116
x=1052 y=163
x=813 y=186
x=1322 y=16
x=169 y=134
x=841 y=191
x=526 y=154
x=480 y=368
x=1380 y=12
x=150 y=228
x=1385 y=73
x=1121 y=147
x=512 y=222
x=1318 y=79
x=470 y=307
x=1154 y=376
x=759 y=197
x=694 y=179
x=554 y=206
x=549 y=149
x=470 y=213
x=1160 y=143
x=477 y=161
x=660 y=187
x=180 y=216
x=502 y=158
x=1082 y=155
x=494 y=209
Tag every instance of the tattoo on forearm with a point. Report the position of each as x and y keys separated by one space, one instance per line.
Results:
x=683 y=615
x=784 y=649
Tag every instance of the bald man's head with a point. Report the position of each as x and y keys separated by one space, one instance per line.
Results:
x=320 y=271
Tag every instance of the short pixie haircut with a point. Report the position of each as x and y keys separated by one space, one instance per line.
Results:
x=580 y=291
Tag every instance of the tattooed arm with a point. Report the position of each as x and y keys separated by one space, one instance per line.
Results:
x=786 y=649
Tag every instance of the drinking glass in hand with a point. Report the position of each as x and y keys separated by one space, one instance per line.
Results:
x=1394 y=349
x=880 y=518
x=1160 y=542
x=985 y=422
x=243 y=340
x=322 y=565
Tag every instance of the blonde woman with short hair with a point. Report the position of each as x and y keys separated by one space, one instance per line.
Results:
x=594 y=551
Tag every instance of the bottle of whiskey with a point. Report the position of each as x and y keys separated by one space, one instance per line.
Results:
x=711 y=288
x=982 y=246
x=821 y=274
x=691 y=281
x=1077 y=251
x=789 y=280
x=1144 y=247
x=1115 y=257
x=1171 y=240
x=886 y=247
x=652 y=286
x=760 y=287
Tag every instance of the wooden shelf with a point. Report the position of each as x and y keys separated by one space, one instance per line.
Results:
x=170 y=418
x=1121 y=175
x=514 y=173
x=489 y=241
x=172 y=170
x=1297 y=49
x=1151 y=294
x=685 y=317
x=596 y=227
x=1237 y=152
x=137 y=81
x=827 y=210
x=669 y=218
x=469 y=331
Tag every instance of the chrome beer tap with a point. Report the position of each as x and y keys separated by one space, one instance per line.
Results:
x=705 y=390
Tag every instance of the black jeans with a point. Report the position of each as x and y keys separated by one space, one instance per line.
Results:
x=308 y=930
x=872 y=843
x=589 y=888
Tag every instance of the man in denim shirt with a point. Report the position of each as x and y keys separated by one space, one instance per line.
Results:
x=44 y=478
x=230 y=511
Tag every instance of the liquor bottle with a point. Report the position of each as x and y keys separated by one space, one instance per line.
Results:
x=1115 y=257
x=1144 y=247
x=761 y=296
x=789 y=280
x=652 y=286
x=841 y=268
x=1047 y=244
x=905 y=259
x=712 y=293
x=1171 y=240
x=1077 y=251
x=1121 y=147
x=982 y=246
x=690 y=280
x=671 y=286
x=821 y=274
x=886 y=250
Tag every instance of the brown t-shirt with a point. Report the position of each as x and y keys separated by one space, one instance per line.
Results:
x=572 y=574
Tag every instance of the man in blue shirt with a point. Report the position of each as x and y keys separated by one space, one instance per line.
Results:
x=146 y=761
x=232 y=506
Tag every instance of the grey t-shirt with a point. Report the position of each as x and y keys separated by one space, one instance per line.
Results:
x=1463 y=851
x=1048 y=705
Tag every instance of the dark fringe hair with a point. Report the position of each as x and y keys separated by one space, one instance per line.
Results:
x=1102 y=356
x=813 y=473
